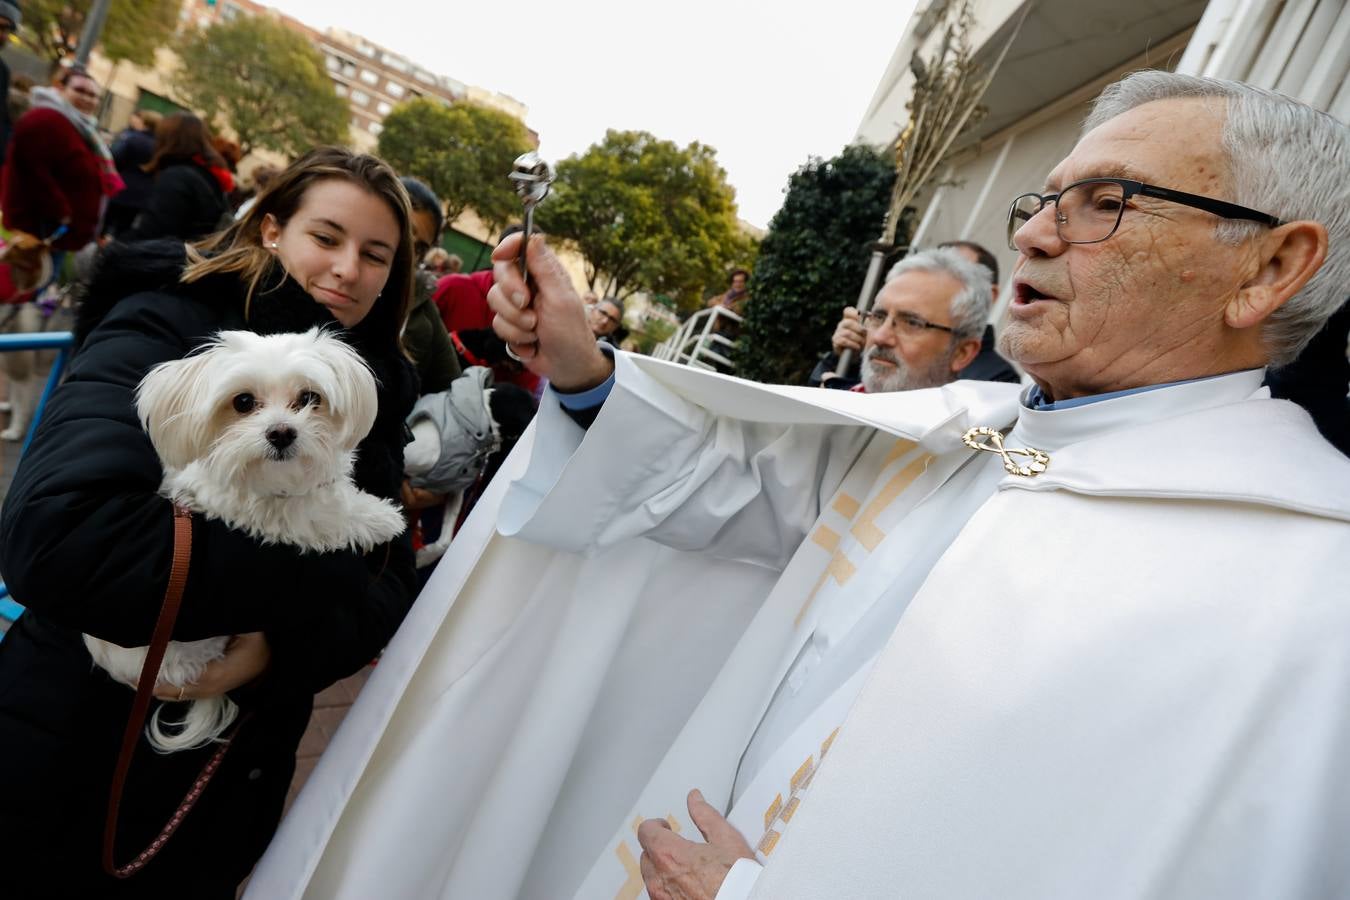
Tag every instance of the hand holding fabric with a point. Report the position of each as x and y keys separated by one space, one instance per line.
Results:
x=677 y=869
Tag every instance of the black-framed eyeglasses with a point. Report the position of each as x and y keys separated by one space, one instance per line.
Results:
x=902 y=322
x=1089 y=211
x=595 y=307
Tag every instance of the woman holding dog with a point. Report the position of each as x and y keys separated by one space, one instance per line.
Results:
x=86 y=542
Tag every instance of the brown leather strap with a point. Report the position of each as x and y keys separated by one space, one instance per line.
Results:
x=159 y=642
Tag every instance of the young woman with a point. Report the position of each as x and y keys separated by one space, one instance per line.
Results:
x=188 y=198
x=86 y=542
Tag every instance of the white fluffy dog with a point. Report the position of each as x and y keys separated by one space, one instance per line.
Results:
x=260 y=432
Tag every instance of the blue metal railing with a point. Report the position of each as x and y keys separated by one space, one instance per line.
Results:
x=60 y=341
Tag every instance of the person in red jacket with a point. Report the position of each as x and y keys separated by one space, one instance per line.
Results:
x=59 y=173
x=462 y=301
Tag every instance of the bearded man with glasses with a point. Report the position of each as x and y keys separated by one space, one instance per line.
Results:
x=1089 y=638
x=926 y=324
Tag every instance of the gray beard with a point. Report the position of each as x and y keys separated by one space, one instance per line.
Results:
x=882 y=380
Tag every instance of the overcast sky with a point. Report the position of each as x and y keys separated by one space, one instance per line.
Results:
x=767 y=84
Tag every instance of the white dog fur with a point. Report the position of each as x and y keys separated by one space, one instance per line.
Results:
x=260 y=432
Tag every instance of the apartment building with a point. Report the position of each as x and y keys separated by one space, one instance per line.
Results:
x=372 y=79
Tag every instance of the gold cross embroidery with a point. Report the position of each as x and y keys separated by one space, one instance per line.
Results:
x=779 y=811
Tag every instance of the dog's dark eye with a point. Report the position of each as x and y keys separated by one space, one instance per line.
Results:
x=308 y=398
x=244 y=403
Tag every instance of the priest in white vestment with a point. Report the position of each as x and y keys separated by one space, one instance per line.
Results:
x=1090 y=639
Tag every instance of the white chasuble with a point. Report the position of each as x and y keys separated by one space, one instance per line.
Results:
x=1126 y=676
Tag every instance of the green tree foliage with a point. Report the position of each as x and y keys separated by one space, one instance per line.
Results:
x=132 y=31
x=464 y=152
x=266 y=82
x=647 y=215
x=812 y=263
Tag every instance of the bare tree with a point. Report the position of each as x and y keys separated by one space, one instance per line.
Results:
x=946 y=101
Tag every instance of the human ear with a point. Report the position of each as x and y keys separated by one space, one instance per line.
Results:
x=1288 y=258
x=270 y=230
x=965 y=354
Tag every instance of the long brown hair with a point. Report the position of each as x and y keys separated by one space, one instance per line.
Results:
x=239 y=248
x=179 y=138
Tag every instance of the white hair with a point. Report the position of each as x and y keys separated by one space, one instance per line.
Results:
x=970 y=305
x=1285 y=159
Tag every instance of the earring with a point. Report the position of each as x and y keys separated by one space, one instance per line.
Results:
x=273 y=245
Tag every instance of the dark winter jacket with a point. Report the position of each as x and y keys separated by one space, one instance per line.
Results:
x=133 y=148
x=85 y=544
x=185 y=202
x=5 y=125
x=51 y=176
x=428 y=343
x=988 y=365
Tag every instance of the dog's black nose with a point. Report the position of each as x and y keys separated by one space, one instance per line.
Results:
x=281 y=436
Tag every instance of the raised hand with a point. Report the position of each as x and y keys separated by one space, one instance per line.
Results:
x=546 y=328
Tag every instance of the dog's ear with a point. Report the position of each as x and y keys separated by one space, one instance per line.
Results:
x=175 y=404
x=351 y=390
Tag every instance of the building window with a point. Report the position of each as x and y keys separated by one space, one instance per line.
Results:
x=395 y=90
x=384 y=108
x=349 y=69
x=340 y=88
x=394 y=62
x=369 y=77
x=360 y=98
x=334 y=64
x=376 y=128
x=366 y=49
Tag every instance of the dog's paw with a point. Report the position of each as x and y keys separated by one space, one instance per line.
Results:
x=376 y=521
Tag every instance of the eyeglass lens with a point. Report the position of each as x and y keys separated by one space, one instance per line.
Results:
x=1084 y=214
x=901 y=323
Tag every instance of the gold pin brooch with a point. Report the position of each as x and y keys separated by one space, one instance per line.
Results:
x=993 y=443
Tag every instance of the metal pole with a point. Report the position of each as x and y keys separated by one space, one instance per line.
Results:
x=93 y=27
x=869 y=290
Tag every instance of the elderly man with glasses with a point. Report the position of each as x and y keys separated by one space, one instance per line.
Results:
x=1090 y=638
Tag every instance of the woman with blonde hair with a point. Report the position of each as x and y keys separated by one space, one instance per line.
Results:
x=86 y=542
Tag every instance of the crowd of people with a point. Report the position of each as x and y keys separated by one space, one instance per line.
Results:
x=1026 y=602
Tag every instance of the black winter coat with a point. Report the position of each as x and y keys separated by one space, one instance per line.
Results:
x=85 y=544
x=185 y=202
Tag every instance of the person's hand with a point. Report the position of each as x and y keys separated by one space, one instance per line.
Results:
x=415 y=498
x=676 y=869
x=246 y=657
x=546 y=329
x=849 y=334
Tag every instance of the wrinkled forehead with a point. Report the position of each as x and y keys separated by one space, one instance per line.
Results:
x=1175 y=143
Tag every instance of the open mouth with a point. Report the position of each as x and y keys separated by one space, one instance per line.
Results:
x=1025 y=294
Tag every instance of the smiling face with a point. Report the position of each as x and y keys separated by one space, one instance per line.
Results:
x=1147 y=305
x=339 y=246
x=82 y=93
